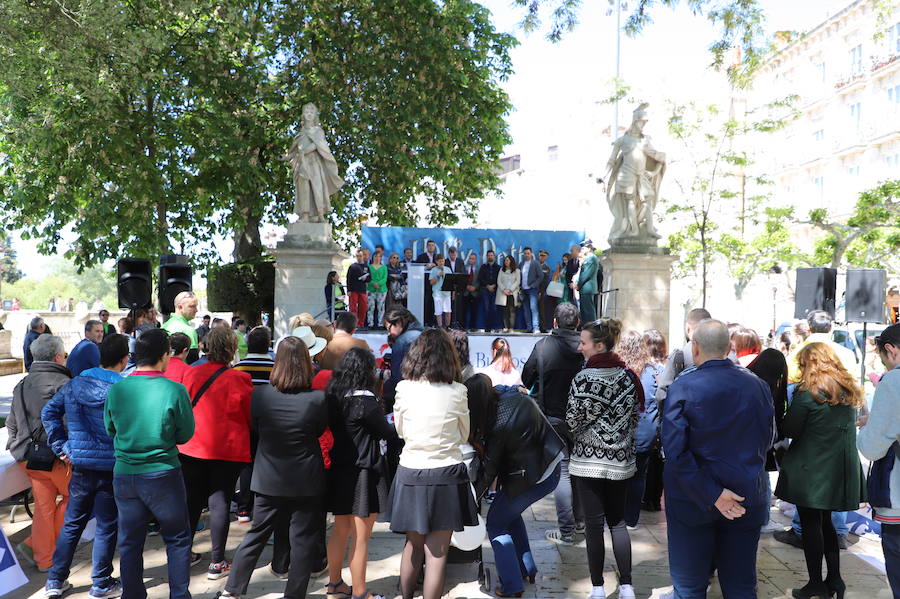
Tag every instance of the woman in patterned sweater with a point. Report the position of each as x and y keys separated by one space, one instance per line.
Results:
x=602 y=412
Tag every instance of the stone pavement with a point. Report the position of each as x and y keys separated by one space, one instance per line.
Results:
x=563 y=569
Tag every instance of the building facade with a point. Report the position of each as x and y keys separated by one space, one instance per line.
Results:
x=845 y=73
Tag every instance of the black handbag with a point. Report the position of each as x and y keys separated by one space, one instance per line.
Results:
x=38 y=455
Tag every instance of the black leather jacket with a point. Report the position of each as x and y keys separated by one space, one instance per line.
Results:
x=520 y=447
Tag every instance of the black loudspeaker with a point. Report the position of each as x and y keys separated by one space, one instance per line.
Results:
x=815 y=290
x=866 y=293
x=175 y=276
x=135 y=287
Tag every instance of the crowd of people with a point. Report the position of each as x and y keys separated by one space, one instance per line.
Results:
x=500 y=294
x=142 y=435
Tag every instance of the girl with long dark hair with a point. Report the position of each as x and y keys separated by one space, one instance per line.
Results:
x=431 y=495
x=357 y=488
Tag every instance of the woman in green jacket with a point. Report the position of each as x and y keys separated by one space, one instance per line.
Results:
x=377 y=288
x=821 y=472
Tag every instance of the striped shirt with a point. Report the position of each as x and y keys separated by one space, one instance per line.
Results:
x=258 y=365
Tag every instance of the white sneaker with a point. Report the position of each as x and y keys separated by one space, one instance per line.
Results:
x=626 y=591
x=668 y=595
x=555 y=536
x=597 y=593
x=57 y=590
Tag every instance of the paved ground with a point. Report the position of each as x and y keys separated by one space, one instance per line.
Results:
x=563 y=570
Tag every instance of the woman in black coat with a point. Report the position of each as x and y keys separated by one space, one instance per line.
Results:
x=288 y=471
x=524 y=453
x=357 y=485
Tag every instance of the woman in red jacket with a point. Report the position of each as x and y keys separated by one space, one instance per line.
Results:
x=220 y=448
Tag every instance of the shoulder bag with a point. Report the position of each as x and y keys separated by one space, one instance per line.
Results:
x=38 y=454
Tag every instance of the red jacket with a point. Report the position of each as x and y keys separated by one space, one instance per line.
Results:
x=222 y=416
x=176 y=370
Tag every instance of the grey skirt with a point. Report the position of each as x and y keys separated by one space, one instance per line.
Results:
x=433 y=499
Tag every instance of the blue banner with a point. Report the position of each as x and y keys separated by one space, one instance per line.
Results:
x=466 y=241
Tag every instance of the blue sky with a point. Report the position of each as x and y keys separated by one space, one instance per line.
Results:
x=557 y=85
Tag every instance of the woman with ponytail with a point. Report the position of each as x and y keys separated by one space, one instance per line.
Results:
x=602 y=412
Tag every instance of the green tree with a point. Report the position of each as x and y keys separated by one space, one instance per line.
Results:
x=719 y=194
x=771 y=247
x=9 y=263
x=152 y=126
x=868 y=238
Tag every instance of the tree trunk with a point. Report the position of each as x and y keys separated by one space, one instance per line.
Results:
x=247 y=243
x=247 y=248
x=703 y=258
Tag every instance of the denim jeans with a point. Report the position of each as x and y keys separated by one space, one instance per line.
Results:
x=487 y=315
x=890 y=544
x=506 y=530
x=636 y=490
x=156 y=496
x=700 y=538
x=568 y=505
x=838 y=520
x=90 y=491
x=530 y=308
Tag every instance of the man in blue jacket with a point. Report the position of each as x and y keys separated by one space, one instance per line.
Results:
x=717 y=425
x=84 y=443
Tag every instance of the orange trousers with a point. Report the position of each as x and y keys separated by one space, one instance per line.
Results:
x=49 y=512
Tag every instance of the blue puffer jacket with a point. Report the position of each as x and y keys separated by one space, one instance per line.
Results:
x=81 y=401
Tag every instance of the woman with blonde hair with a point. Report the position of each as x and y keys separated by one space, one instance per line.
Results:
x=636 y=353
x=821 y=472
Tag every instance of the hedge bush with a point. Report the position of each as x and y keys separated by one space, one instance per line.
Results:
x=247 y=287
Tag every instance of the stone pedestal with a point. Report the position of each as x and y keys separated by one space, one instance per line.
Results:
x=644 y=282
x=302 y=263
x=8 y=364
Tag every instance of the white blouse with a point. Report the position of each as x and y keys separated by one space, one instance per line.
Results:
x=433 y=421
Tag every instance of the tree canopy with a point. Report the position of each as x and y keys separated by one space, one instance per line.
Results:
x=868 y=238
x=149 y=127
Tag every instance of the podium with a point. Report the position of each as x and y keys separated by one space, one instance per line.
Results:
x=415 y=295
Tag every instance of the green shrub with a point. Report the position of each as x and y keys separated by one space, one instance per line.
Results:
x=247 y=288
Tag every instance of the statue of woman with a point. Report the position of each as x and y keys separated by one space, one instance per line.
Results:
x=314 y=169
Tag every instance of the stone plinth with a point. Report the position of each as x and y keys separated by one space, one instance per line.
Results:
x=302 y=263
x=644 y=284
